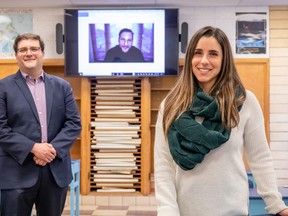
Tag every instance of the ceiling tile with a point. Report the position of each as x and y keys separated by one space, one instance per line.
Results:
x=167 y=3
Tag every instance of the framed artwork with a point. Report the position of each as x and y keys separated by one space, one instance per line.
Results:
x=12 y=23
x=251 y=35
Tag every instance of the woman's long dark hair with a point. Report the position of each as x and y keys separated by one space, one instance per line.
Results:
x=228 y=81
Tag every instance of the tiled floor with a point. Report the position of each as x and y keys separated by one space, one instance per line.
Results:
x=115 y=211
x=116 y=205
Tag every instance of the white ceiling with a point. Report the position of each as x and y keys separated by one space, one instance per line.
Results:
x=127 y=3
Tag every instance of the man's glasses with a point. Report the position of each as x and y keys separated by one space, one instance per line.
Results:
x=24 y=50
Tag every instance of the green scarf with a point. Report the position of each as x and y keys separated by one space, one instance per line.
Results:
x=189 y=141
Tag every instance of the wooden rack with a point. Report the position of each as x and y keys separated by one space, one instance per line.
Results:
x=115 y=135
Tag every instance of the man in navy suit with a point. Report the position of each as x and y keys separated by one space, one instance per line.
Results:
x=39 y=122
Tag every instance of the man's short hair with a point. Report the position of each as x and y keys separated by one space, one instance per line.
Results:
x=28 y=36
x=126 y=30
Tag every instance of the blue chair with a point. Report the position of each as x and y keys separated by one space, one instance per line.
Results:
x=265 y=215
x=251 y=181
x=75 y=188
x=257 y=205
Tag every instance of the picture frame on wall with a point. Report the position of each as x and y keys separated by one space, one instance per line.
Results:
x=12 y=23
x=251 y=34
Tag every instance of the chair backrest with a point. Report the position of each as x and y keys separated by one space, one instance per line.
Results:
x=251 y=181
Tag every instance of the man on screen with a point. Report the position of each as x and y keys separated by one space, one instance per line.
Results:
x=124 y=51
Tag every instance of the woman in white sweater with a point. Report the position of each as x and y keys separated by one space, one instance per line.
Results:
x=204 y=124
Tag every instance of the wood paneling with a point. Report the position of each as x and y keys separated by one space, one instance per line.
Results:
x=278 y=27
x=255 y=76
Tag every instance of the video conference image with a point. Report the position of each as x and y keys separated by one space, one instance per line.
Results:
x=129 y=42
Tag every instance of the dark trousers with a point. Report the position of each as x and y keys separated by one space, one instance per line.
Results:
x=47 y=196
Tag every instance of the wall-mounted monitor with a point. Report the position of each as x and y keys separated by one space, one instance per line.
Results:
x=121 y=42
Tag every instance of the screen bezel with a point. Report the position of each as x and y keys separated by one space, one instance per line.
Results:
x=171 y=45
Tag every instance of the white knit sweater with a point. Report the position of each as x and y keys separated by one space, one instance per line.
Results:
x=218 y=186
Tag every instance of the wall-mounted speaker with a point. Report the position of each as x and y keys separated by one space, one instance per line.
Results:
x=59 y=38
x=184 y=36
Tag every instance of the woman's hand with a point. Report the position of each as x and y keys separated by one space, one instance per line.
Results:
x=283 y=212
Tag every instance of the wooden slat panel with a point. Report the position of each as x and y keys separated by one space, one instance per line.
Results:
x=278 y=24
x=278 y=8
x=278 y=52
x=279 y=42
x=278 y=14
x=116 y=116
x=278 y=33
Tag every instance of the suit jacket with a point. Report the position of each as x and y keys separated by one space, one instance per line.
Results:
x=20 y=129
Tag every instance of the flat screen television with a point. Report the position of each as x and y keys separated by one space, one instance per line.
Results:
x=152 y=34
